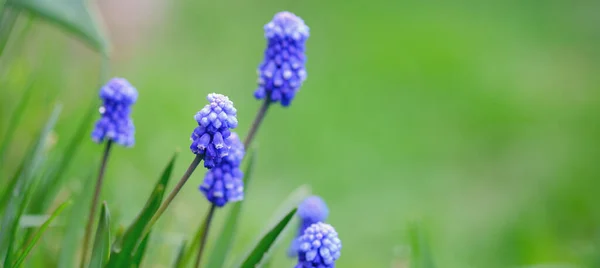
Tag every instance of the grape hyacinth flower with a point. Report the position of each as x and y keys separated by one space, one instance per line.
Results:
x=223 y=183
x=319 y=247
x=210 y=138
x=115 y=123
x=312 y=210
x=282 y=71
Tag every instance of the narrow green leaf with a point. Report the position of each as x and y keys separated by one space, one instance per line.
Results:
x=53 y=179
x=194 y=246
x=101 y=250
x=264 y=244
x=23 y=189
x=221 y=249
x=73 y=231
x=420 y=251
x=74 y=16
x=15 y=120
x=124 y=251
x=138 y=255
x=292 y=201
x=39 y=233
x=180 y=254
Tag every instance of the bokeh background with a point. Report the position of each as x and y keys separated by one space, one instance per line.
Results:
x=478 y=119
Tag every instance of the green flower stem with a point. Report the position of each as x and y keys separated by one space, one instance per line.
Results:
x=173 y=193
x=96 y=197
x=257 y=122
x=204 y=233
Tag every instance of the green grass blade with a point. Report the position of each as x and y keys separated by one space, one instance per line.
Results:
x=125 y=249
x=292 y=201
x=194 y=246
x=255 y=256
x=73 y=231
x=53 y=179
x=39 y=233
x=180 y=254
x=101 y=250
x=138 y=256
x=420 y=251
x=15 y=121
x=22 y=190
x=221 y=249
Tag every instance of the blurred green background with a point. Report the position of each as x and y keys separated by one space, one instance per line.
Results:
x=478 y=119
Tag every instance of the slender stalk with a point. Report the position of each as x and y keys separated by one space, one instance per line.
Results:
x=257 y=121
x=173 y=193
x=205 y=229
x=96 y=197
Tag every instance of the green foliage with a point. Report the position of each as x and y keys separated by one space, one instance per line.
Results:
x=101 y=250
x=126 y=251
x=224 y=242
x=256 y=255
x=180 y=254
x=75 y=16
x=39 y=233
x=15 y=121
x=17 y=196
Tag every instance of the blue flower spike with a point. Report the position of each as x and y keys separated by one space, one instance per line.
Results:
x=282 y=71
x=215 y=121
x=319 y=247
x=115 y=123
x=312 y=210
x=224 y=182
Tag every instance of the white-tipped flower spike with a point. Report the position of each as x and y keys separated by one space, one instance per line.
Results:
x=215 y=121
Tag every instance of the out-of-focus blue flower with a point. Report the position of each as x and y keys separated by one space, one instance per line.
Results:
x=282 y=71
x=319 y=247
x=210 y=138
x=115 y=122
x=312 y=210
x=224 y=183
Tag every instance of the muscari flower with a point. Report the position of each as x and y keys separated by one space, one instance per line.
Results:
x=115 y=123
x=210 y=138
x=282 y=71
x=319 y=247
x=312 y=210
x=224 y=182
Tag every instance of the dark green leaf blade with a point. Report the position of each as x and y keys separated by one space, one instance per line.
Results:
x=123 y=251
x=39 y=233
x=180 y=254
x=101 y=250
x=292 y=201
x=74 y=16
x=138 y=255
x=221 y=249
x=264 y=245
x=23 y=186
